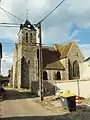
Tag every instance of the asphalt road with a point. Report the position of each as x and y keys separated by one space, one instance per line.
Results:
x=18 y=106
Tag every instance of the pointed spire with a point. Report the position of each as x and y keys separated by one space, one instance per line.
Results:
x=28 y=25
x=27 y=14
x=26 y=2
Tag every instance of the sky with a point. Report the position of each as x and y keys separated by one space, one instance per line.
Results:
x=70 y=21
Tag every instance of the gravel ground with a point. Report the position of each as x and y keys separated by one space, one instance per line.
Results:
x=82 y=112
x=28 y=109
x=52 y=104
x=86 y=101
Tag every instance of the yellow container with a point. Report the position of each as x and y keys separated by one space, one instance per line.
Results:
x=65 y=95
x=68 y=101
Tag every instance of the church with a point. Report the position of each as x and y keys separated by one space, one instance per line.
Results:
x=60 y=62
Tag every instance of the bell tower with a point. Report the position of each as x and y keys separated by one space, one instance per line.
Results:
x=27 y=55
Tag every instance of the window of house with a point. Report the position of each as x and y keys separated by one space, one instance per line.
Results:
x=45 y=76
x=26 y=37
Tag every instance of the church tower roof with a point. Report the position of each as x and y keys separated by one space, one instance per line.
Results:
x=28 y=25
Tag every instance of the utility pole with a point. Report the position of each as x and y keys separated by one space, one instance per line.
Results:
x=78 y=86
x=40 y=65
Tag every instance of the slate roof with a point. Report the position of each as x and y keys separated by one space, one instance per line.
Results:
x=52 y=55
x=55 y=66
x=51 y=59
x=28 y=25
x=88 y=59
x=64 y=49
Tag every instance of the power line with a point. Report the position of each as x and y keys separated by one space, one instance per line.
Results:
x=8 y=26
x=51 y=12
x=5 y=23
x=7 y=46
x=7 y=43
x=11 y=14
x=9 y=52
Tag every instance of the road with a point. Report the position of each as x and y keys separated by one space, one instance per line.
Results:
x=18 y=106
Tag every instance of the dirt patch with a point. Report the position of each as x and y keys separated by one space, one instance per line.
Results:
x=82 y=111
x=52 y=104
x=86 y=101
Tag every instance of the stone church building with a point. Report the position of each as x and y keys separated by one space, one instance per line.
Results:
x=60 y=62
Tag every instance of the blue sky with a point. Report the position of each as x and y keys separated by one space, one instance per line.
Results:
x=7 y=44
x=79 y=33
x=69 y=22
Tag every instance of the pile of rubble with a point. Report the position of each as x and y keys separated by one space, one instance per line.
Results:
x=52 y=104
x=82 y=112
x=86 y=101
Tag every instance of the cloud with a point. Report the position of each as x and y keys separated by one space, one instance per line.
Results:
x=6 y=63
x=55 y=27
x=85 y=48
x=69 y=12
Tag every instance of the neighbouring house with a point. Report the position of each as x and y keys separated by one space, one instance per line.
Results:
x=0 y=56
x=85 y=69
x=10 y=77
x=60 y=62
x=4 y=80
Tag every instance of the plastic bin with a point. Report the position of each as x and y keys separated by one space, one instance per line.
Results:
x=68 y=101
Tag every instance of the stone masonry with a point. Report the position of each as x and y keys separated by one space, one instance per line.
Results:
x=25 y=58
x=60 y=62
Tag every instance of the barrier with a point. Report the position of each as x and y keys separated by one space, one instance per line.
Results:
x=78 y=100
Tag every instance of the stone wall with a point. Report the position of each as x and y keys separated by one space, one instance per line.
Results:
x=15 y=58
x=51 y=74
x=26 y=51
x=81 y=87
x=85 y=70
x=65 y=74
x=48 y=87
x=74 y=55
x=30 y=55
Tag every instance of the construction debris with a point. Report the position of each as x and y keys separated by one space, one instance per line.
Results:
x=82 y=111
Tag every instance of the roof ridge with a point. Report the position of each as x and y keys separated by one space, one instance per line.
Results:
x=87 y=59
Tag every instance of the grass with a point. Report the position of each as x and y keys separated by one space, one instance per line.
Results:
x=7 y=87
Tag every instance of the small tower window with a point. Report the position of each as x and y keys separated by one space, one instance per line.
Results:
x=26 y=37
x=31 y=37
x=28 y=61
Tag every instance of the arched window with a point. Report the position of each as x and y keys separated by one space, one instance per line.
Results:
x=31 y=37
x=45 y=77
x=76 y=70
x=24 y=73
x=28 y=61
x=26 y=37
x=58 y=76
